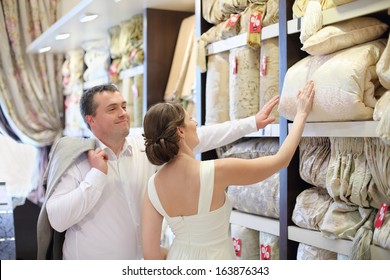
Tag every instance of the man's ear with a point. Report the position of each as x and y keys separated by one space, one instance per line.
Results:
x=89 y=119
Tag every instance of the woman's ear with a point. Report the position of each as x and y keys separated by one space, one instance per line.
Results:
x=180 y=132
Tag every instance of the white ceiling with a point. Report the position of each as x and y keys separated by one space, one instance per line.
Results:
x=110 y=13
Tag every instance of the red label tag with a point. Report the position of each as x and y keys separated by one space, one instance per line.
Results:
x=233 y=20
x=255 y=23
x=381 y=215
x=237 y=246
x=265 y=252
x=263 y=67
x=234 y=65
x=132 y=54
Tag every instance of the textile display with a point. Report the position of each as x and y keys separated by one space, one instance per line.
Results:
x=310 y=208
x=127 y=92
x=137 y=95
x=349 y=177
x=248 y=246
x=212 y=12
x=233 y=6
x=383 y=66
x=271 y=13
x=131 y=42
x=269 y=73
x=381 y=235
x=115 y=53
x=345 y=84
x=249 y=148
x=188 y=91
x=308 y=252
x=216 y=33
x=344 y=34
x=96 y=58
x=314 y=156
x=260 y=199
x=382 y=114
x=378 y=160
x=244 y=82
x=269 y=246
x=181 y=58
x=299 y=6
x=253 y=36
x=343 y=220
x=217 y=89
x=312 y=22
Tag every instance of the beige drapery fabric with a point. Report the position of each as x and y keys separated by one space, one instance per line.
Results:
x=30 y=84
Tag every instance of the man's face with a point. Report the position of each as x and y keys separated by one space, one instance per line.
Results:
x=111 y=120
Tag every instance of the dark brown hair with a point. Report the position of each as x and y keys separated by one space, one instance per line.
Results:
x=160 y=131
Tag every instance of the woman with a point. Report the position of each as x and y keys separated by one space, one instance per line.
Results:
x=190 y=193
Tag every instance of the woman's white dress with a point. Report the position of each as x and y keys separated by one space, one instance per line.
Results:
x=205 y=235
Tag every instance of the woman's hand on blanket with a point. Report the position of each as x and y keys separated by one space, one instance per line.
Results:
x=98 y=159
x=262 y=117
x=305 y=99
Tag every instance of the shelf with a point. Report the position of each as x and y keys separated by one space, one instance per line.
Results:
x=344 y=12
x=378 y=253
x=271 y=130
x=110 y=13
x=315 y=238
x=241 y=40
x=341 y=246
x=131 y=72
x=341 y=129
x=255 y=222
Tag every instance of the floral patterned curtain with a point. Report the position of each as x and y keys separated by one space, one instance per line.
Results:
x=30 y=84
x=31 y=99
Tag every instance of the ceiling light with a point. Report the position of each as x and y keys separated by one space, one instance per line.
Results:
x=45 y=49
x=88 y=17
x=62 y=36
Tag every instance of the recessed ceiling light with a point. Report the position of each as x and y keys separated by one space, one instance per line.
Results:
x=88 y=17
x=44 y=49
x=62 y=36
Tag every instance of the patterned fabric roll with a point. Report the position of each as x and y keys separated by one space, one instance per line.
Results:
x=244 y=82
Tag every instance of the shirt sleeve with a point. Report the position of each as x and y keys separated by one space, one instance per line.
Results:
x=74 y=197
x=214 y=136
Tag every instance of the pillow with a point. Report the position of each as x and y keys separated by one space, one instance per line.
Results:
x=344 y=83
x=344 y=34
x=299 y=6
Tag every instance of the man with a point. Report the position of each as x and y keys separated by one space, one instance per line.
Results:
x=95 y=187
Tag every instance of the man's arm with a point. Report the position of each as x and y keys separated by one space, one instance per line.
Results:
x=217 y=135
x=214 y=136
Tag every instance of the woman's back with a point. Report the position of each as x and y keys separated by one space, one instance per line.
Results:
x=199 y=234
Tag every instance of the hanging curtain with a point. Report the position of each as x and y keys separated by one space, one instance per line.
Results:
x=31 y=100
x=30 y=84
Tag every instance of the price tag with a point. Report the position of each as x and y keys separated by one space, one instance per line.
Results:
x=234 y=65
x=233 y=20
x=265 y=252
x=237 y=246
x=381 y=215
x=255 y=23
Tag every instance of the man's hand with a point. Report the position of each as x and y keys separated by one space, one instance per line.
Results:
x=98 y=159
x=262 y=117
